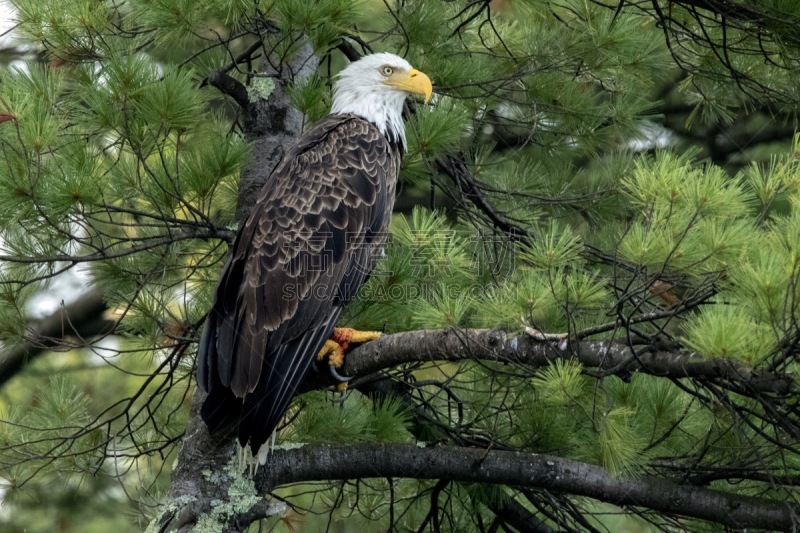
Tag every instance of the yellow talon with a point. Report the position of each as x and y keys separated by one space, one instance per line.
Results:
x=333 y=351
x=334 y=348
x=336 y=358
x=353 y=335
x=345 y=336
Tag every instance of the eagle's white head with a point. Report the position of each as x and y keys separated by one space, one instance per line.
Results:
x=375 y=87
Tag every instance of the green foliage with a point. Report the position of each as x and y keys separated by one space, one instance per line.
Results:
x=55 y=437
x=670 y=183
x=441 y=308
x=554 y=248
x=356 y=420
x=619 y=445
x=774 y=183
x=691 y=218
x=322 y=22
x=560 y=383
x=390 y=420
x=577 y=123
x=437 y=130
x=429 y=276
x=310 y=97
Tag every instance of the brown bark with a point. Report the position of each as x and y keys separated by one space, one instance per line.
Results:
x=522 y=349
x=470 y=465
x=201 y=453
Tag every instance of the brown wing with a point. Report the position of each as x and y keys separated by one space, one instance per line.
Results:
x=303 y=253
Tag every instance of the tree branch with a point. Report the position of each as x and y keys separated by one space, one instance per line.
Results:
x=200 y=481
x=726 y=9
x=501 y=346
x=229 y=85
x=82 y=318
x=455 y=168
x=123 y=247
x=470 y=465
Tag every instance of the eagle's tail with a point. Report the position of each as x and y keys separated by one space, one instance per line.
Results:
x=221 y=409
x=282 y=375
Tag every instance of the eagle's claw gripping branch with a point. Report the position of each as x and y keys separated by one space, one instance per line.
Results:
x=336 y=347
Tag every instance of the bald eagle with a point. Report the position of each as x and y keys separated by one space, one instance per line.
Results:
x=309 y=244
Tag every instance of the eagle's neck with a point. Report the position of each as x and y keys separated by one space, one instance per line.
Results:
x=383 y=108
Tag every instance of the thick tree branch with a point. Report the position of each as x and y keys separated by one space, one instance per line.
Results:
x=229 y=85
x=83 y=318
x=199 y=494
x=200 y=480
x=501 y=346
x=470 y=465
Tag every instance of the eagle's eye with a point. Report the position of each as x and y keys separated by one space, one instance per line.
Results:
x=386 y=70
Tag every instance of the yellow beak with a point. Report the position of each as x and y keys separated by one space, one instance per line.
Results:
x=414 y=81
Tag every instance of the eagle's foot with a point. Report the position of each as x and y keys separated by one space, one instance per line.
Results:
x=333 y=351
x=345 y=336
x=336 y=347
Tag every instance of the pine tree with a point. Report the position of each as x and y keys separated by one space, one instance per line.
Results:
x=590 y=297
